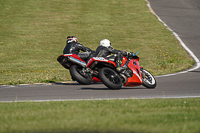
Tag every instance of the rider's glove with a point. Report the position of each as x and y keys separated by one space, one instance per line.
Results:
x=127 y=53
x=124 y=53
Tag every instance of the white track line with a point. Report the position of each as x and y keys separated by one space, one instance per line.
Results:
x=182 y=43
x=56 y=100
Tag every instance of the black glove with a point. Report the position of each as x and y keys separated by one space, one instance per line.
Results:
x=124 y=53
x=129 y=54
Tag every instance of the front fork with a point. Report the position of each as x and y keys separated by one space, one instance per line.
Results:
x=143 y=75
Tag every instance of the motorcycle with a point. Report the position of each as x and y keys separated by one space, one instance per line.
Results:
x=77 y=67
x=100 y=69
x=131 y=75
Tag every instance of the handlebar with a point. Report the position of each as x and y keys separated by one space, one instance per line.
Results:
x=135 y=54
x=130 y=53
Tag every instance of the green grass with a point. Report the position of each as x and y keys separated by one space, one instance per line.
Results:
x=102 y=116
x=33 y=35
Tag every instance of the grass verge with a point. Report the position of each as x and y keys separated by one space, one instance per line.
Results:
x=33 y=35
x=107 y=116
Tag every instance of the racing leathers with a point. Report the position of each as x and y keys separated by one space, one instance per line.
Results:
x=75 y=48
x=102 y=51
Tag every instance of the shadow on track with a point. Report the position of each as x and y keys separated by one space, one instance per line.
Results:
x=92 y=86
x=124 y=88
x=71 y=83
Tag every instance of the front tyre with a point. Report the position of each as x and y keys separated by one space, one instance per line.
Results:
x=81 y=76
x=148 y=79
x=110 y=78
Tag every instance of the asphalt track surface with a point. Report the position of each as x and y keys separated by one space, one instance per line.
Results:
x=182 y=16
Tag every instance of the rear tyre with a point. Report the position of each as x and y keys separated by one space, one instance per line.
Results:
x=110 y=78
x=78 y=74
x=148 y=79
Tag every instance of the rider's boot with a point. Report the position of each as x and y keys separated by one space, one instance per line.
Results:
x=119 y=68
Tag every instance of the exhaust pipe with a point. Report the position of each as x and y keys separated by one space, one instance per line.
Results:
x=74 y=60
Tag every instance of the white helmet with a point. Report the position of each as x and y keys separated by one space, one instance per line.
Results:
x=105 y=43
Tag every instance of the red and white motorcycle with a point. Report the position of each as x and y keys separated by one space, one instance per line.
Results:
x=104 y=69
x=131 y=75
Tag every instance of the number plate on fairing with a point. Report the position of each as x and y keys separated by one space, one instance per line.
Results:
x=100 y=58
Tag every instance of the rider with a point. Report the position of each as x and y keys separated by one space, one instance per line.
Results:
x=73 y=47
x=105 y=49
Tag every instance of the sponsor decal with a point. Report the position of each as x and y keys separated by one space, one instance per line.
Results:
x=100 y=58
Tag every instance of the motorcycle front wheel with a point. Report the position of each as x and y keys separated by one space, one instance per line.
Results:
x=78 y=74
x=110 y=78
x=148 y=79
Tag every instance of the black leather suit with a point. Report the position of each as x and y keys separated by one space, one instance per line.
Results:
x=75 y=48
x=102 y=51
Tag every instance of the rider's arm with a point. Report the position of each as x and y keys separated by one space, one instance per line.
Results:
x=84 y=49
x=81 y=47
x=88 y=49
x=114 y=51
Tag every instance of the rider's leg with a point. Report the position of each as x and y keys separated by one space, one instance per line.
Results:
x=119 y=58
x=84 y=55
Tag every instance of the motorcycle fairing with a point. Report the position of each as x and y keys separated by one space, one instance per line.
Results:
x=74 y=56
x=136 y=79
x=99 y=59
x=63 y=60
x=95 y=79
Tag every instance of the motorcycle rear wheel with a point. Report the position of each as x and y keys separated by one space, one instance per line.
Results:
x=78 y=75
x=110 y=78
x=148 y=79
